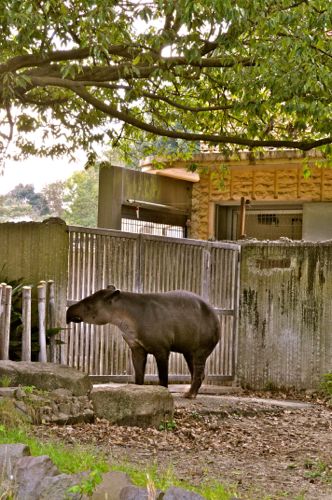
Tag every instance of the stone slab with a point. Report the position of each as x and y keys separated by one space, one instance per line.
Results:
x=133 y=405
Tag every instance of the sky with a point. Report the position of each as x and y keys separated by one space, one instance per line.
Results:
x=38 y=171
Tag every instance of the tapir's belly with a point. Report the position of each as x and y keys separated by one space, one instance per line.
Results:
x=173 y=337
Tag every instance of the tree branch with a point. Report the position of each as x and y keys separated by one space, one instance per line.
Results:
x=124 y=116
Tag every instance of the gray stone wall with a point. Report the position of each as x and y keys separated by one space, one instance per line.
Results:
x=285 y=324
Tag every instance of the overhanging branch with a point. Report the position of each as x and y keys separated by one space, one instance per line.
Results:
x=126 y=117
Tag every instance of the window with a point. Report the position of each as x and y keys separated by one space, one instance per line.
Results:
x=261 y=222
x=157 y=229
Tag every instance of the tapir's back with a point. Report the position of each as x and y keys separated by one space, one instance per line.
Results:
x=178 y=318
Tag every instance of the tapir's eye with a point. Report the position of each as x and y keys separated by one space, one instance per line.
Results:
x=76 y=319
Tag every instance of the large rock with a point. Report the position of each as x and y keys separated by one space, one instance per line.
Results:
x=38 y=478
x=111 y=486
x=134 y=405
x=46 y=376
x=175 y=493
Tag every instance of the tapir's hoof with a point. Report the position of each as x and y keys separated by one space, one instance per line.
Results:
x=189 y=395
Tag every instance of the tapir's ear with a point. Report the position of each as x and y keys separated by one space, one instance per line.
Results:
x=112 y=292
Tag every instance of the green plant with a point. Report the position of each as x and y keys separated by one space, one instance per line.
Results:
x=151 y=478
x=29 y=389
x=5 y=381
x=318 y=469
x=10 y=417
x=167 y=425
x=196 y=415
x=89 y=484
x=326 y=384
x=68 y=459
x=16 y=327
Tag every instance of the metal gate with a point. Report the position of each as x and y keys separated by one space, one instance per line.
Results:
x=144 y=263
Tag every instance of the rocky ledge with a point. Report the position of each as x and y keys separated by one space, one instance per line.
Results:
x=59 y=406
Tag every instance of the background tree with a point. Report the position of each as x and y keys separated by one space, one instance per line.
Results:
x=228 y=72
x=81 y=198
x=54 y=195
x=23 y=203
x=26 y=195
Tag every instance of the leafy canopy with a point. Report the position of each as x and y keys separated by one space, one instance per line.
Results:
x=233 y=73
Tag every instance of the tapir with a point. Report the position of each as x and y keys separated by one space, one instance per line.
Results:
x=156 y=323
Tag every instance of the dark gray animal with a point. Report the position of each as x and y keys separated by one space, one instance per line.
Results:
x=156 y=323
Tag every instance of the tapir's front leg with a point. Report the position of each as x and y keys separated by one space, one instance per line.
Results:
x=162 y=365
x=139 y=356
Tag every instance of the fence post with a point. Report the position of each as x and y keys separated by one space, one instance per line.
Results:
x=51 y=319
x=41 y=291
x=2 y=285
x=206 y=267
x=6 y=314
x=26 y=321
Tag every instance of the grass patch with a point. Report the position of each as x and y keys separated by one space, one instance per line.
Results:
x=77 y=458
x=151 y=478
x=317 y=469
x=326 y=384
x=68 y=459
x=73 y=459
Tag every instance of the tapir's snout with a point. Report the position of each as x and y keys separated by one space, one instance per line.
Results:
x=73 y=318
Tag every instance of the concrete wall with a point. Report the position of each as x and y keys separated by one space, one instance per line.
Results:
x=317 y=221
x=285 y=322
x=37 y=251
x=117 y=185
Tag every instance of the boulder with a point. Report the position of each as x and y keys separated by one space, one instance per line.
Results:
x=175 y=493
x=9 y=454
x=133 y=405
x=38 y=477
x=46 y=376
x=111 y=486
x=29 y=474
x=58 y=487
x=135 y=493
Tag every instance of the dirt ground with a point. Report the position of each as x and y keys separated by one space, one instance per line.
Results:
x=266 y=448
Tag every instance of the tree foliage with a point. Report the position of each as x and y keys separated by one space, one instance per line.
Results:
x=54 y=194
x=81 y=198
x=23 y=203
x=233 y=73
x=74 y=200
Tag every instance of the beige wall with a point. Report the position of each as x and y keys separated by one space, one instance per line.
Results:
x=264 y=181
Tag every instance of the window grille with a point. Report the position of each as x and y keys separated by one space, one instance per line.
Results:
x=154 y=228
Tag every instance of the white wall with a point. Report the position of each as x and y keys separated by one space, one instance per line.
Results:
x=317 y=221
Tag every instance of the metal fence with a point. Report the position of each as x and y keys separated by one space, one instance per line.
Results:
x=145 y=263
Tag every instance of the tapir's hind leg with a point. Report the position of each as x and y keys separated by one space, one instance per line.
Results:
x=189 y=360
x=139 y=356
x=197 y=377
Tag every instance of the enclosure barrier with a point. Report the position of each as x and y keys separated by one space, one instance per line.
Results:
x=149 y=264
x=46 y=315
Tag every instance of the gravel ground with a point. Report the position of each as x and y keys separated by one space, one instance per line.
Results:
x=266 y=448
